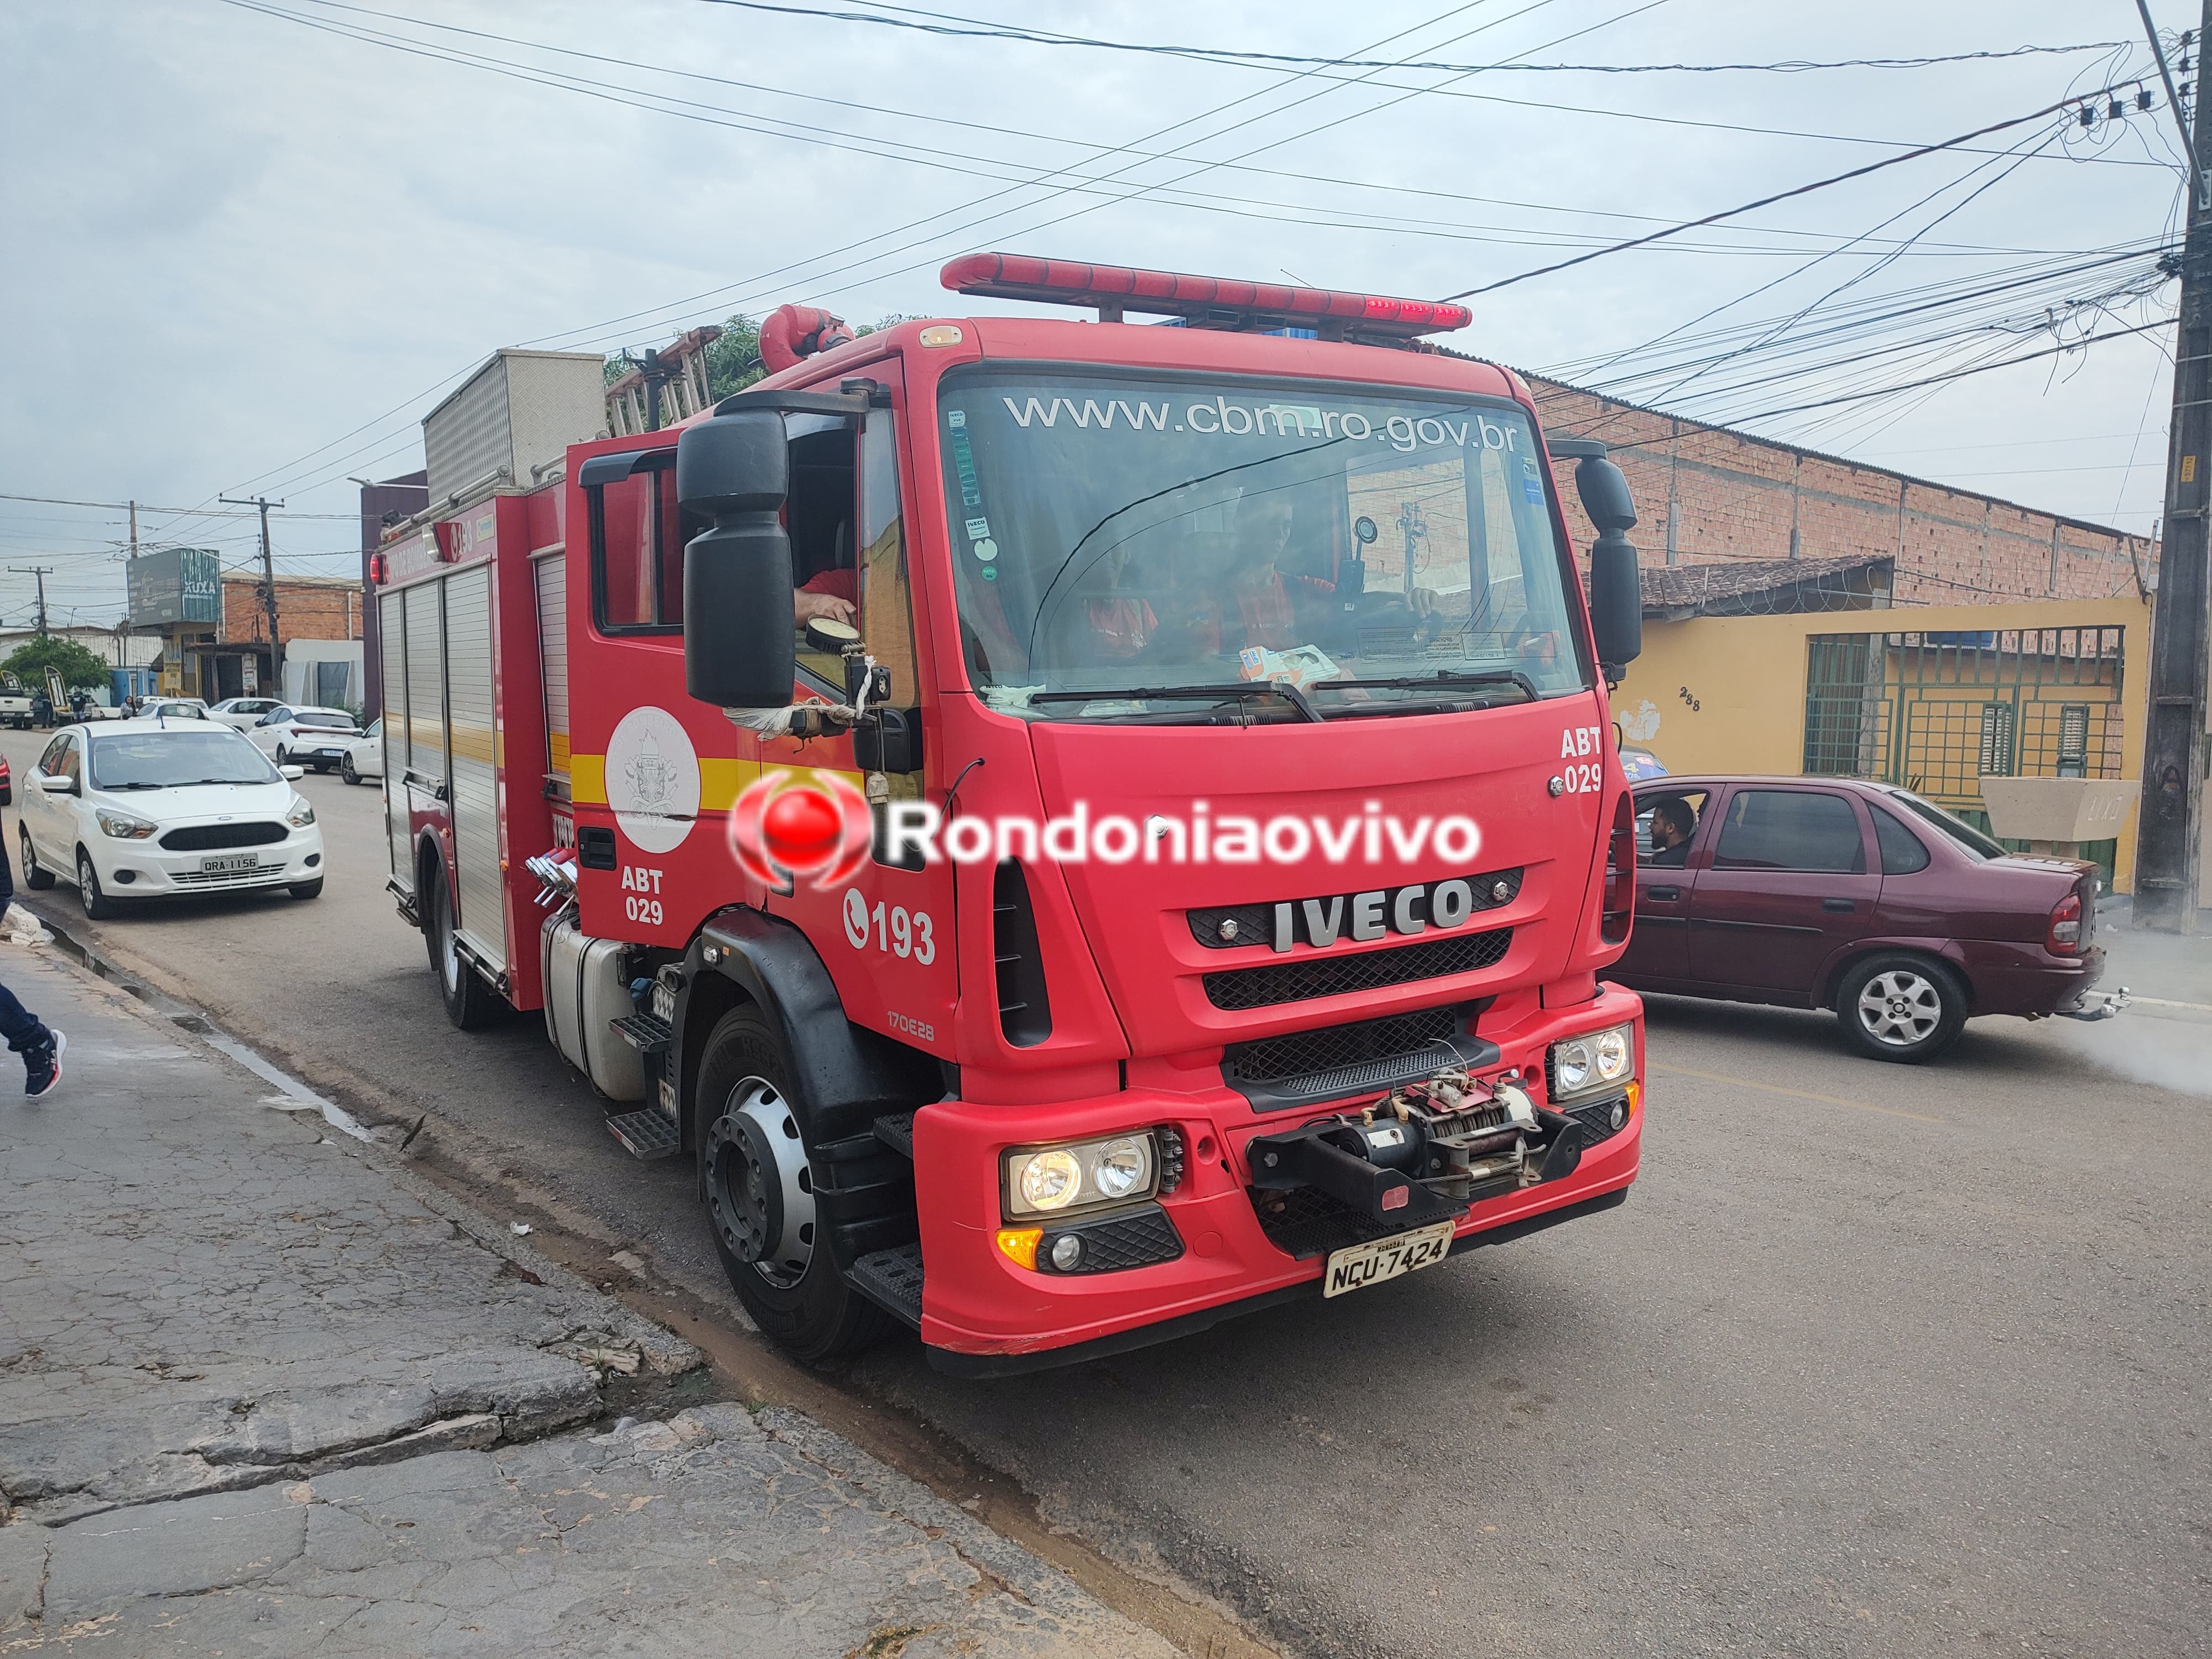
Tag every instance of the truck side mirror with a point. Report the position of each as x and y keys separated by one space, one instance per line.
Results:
x=1616 y=581
x=739 y=649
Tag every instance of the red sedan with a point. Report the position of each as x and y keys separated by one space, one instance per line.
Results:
x=1834 y=893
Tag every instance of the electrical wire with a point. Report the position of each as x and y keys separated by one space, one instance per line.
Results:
x=954 y=26
x=2047 y=111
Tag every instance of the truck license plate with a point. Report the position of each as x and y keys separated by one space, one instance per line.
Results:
x=224 y=866
x=1362 y=1265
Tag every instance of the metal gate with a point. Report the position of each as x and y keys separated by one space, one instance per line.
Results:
x=1933 y=711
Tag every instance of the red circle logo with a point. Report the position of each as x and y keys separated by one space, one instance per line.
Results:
x=801 y=828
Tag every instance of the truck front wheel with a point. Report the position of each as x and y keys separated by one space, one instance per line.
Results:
x=759 y=1199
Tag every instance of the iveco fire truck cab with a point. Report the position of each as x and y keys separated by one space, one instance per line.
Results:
x=1078 y=829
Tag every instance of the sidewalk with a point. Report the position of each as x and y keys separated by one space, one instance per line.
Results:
x=263 y=1393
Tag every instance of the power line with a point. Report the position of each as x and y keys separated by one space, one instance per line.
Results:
x=2044 y=113
x=950 y=25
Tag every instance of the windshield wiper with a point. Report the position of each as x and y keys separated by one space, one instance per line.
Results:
x=1443 y=677
x=1283 y=689
x=134 y=784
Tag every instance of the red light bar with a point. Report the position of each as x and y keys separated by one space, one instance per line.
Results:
x=1217 y=302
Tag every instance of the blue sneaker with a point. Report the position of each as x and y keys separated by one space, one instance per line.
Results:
x=42 y=1067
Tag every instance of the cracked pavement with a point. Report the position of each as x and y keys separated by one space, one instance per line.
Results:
x=263 y=1392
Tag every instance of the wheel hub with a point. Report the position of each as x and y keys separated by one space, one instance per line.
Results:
x=759 y=1193
x=1900 y=1008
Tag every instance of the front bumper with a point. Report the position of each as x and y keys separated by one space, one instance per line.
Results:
x=145 y=869
x=983 y=1314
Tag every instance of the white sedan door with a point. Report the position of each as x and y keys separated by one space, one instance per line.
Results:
x=53 y=823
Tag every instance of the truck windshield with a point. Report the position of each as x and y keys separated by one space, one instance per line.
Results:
x=1123 y=544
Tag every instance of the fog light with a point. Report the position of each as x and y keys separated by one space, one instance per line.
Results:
x=1619 y=1115
x=1067 y=1251
x=125 y=878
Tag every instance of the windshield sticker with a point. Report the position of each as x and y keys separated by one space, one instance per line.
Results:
x=1531 y=481
x=964 y=460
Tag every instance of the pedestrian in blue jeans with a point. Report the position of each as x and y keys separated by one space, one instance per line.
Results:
x=41 y=1049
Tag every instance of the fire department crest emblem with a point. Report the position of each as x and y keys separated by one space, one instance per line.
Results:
x=653 y=779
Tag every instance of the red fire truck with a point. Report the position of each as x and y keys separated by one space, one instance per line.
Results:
x=1078 y=828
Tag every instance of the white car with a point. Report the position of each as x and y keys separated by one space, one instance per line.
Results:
x=149 y=809
x=172 y=708
x=312 y=737
x=243 y=713
x=364 y=756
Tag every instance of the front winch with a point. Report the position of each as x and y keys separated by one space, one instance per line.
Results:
x=1423 y=1153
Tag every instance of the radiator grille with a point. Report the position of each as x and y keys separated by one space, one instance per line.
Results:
x=1336 y=975
x=1370 y=1045
x=212 y=837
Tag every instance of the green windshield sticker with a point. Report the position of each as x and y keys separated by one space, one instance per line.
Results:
x=963 y=459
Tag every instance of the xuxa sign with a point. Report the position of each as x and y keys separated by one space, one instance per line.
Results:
x=176 y=585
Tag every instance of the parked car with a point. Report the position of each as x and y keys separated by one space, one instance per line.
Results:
x=242 y=714
x=312 y=737
x=172 y=708
x=162 y=809
x=364 y=756
x=7 y=784
x=1835 y=893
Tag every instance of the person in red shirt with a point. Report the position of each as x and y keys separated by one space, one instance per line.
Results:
x=834 y=594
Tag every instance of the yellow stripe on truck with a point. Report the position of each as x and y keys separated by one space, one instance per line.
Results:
x=721 y=780
x=587 y=780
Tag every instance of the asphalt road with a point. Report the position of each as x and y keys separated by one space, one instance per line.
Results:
x=1876 y=1360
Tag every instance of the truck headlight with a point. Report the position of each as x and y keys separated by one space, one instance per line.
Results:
x=1591 y=1064
x=1082 y=1174
x=123 y=826
x=299 y=814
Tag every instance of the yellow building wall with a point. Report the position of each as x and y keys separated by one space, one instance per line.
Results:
x=1727 y=693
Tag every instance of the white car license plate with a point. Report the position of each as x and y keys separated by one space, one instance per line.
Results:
x=1362 y=1265
x=223 y=866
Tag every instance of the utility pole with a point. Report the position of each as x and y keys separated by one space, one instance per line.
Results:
x=134 y=530
x=41 y=571
x=2170 y=819
x=275 y=688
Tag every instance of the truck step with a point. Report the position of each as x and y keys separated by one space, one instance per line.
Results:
x=892 y=1280
x=896 y=1133
x=647 y=1135
x=644 y=1032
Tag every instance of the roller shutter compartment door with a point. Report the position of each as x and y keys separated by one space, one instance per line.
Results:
x=392 y=633
x=471 y=729
x=426 y=684
x=551 y=575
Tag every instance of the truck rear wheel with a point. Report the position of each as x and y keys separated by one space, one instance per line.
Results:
x=759 y=1194
x=469 y=1001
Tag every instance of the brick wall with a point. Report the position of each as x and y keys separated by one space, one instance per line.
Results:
x=305 y=610
x=1738 y=497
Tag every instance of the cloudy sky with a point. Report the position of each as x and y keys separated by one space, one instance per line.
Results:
x=249 y=242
